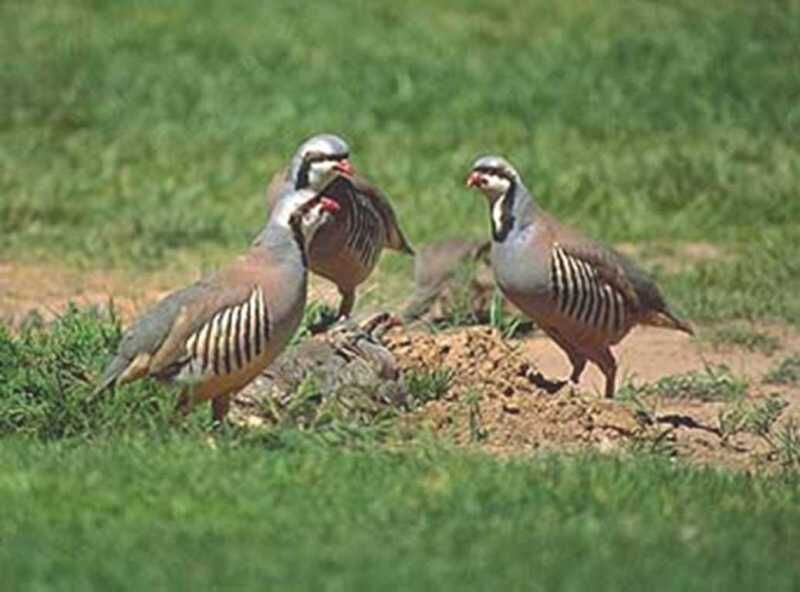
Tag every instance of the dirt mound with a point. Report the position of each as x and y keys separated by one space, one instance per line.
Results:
x=493 y=401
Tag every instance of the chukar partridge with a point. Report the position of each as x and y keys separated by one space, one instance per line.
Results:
x=435 y=265
x=584 y=295
x=346 y=252
x=215 y=336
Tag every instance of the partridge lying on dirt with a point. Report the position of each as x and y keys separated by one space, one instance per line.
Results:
x=348 y=364
x=345 y=252
x=218 y=334
x=584 y=295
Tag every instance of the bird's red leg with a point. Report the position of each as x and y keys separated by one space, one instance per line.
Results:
x=608 y=365
x=220 y=407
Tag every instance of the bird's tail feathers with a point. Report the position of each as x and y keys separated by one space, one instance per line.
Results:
x=102 y=388
x=111 y=376
x=668 y=320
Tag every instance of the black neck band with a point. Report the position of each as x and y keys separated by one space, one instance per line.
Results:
x=297 y=234
x=506 y=215
x=301 y=180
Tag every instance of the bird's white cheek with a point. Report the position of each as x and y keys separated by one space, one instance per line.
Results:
x=498 y=186
x=314 y=177
x=321 y=172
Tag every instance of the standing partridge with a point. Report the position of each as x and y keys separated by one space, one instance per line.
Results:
x=215 y=336
x=346 y=252
x=583 y=294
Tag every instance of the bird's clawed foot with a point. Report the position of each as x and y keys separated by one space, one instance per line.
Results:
x=549 y=386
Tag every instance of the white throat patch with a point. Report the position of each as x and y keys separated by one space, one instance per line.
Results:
x=497 y=213
x=320 y=172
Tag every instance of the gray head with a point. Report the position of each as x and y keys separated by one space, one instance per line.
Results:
x=493 y=175
x=302 y=213
x=511 y=204
x=318 y=160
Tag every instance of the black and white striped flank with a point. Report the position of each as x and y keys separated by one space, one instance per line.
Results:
x=232 y=339
x=582 y=295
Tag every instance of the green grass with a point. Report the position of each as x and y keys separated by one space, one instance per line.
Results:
x=113 y=494
x=754 y=417
x=47 y=374
x=745 y=337
x=136 y=131
x=178 y=515
x=431 y=385
x=760 y=418
x=785 y=372
x=713 y=383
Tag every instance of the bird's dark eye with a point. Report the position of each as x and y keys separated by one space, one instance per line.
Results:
x=502 y=173
x=491 y=171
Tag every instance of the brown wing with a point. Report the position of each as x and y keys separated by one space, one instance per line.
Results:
x=594 y=284
x=608 y=268
x=221 y=331
x=643 y=298
x=395 y=239
x=222 y=326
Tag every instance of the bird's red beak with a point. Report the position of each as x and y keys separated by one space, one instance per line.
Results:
x=344 y=166
x=329 y=205
x=475 y=179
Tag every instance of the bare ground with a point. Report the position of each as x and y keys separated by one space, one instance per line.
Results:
x=494 y=403
x=48 y=289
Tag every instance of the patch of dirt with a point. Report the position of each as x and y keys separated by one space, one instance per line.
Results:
x=47 y=290
x=494 y=403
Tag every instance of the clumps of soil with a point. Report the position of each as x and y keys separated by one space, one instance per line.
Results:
x=493 y=400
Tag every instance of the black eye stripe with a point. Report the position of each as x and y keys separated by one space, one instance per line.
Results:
x=314 y=157
x=493 y=171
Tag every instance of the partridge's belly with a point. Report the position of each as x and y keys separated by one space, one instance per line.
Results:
x=537 y=304
x=345 y=268
x=345 y=260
